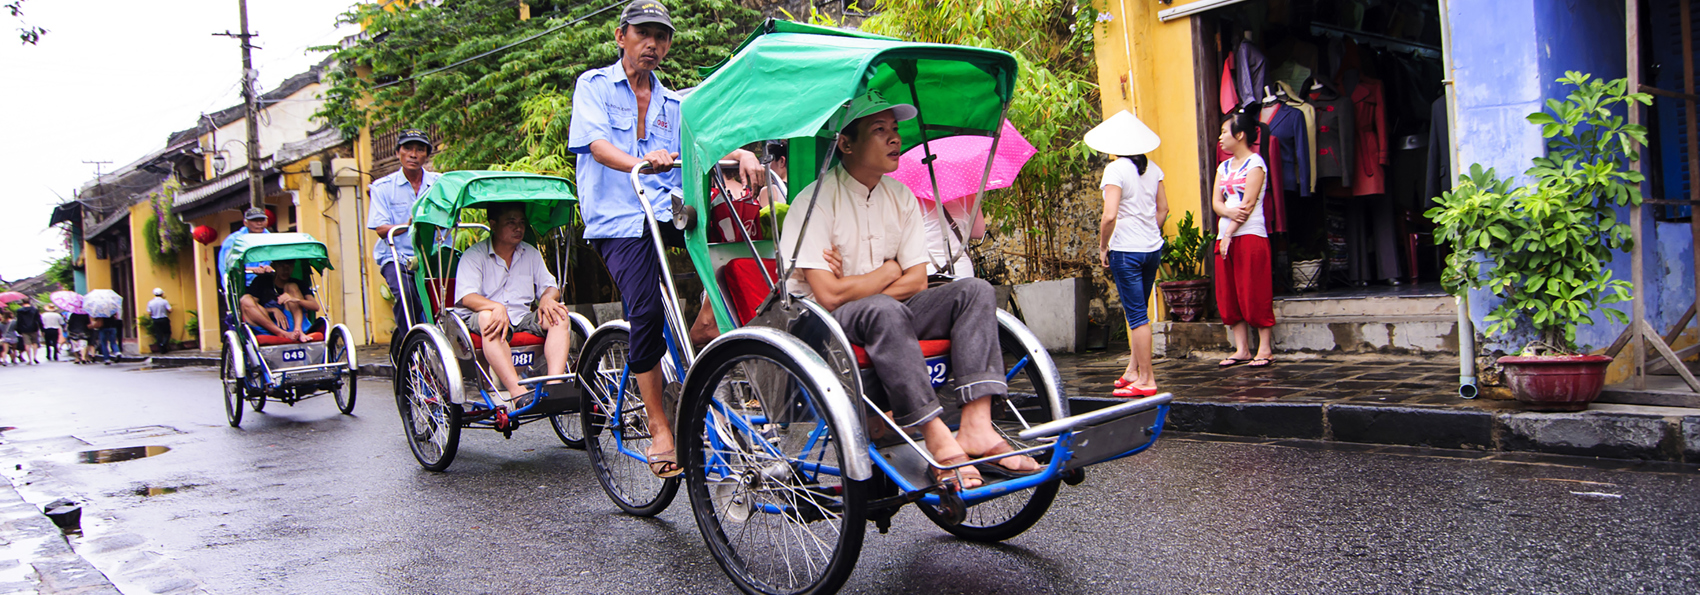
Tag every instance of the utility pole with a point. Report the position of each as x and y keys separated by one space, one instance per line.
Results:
x=97 y=174
x=250 y=105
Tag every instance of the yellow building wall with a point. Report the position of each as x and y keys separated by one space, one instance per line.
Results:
x=97 y=271
x=175 y=277
x=205 y=262
x=383 y=318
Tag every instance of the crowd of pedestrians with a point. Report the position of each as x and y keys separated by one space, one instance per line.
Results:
x=31 y=335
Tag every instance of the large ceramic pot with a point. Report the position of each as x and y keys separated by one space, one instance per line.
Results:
x=1556 y=382
x=1187 y=299
x=1307 y=274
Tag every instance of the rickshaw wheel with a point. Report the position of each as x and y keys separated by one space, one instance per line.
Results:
x=568 y=426
x=430 y=422
x=233 y=393
x=257 y=401
x=338 y=352
x=615 y=425
x=756 y=445
x=1012 y=514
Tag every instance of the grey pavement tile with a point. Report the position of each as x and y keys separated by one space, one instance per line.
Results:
x=1355 y=385
x=1264 y=393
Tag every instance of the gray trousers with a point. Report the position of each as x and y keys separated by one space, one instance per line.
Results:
x=962 y=311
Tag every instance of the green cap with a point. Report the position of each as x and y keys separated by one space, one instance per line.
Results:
x=868 y=104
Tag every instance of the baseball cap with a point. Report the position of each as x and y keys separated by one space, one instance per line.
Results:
x=412 y=135
x=868 y=104
x=254 y=214
x=645 y=11
x=158 y=291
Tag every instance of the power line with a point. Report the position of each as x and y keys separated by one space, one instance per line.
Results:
x=505 y=47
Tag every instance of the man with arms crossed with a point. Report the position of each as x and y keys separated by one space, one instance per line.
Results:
x=864 y=258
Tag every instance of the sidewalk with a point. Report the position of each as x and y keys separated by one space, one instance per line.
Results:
x=1361 y=398
x=1382 y=399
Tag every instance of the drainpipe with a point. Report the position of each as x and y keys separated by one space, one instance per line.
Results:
x=1466 y=330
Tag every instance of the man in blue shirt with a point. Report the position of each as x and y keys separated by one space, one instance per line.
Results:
x=392 y=208
x=621 y=112
x=254 y=220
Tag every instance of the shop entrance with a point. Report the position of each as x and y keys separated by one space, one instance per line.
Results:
x=1349 y=99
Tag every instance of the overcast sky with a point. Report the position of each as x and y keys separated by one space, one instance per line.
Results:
x=113 y=78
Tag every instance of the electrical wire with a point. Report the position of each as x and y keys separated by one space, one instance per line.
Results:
x=505 y=47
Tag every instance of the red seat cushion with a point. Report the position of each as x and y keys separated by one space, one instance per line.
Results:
x=929 y=348
x=519 y=340
x=746 y=287
x=276 y=340
x=439 y=290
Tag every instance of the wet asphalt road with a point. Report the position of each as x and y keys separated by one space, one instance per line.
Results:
x=304 y=500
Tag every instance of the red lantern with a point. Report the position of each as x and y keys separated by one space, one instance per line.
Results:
x=204 y=234
x=271 y=217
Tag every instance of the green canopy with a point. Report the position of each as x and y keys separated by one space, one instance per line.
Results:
x=266 y=247
x=788 y=78
x=549 y=201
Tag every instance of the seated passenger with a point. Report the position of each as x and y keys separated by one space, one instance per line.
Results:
x=864 y=258
x=495 y=284
x=279 y=304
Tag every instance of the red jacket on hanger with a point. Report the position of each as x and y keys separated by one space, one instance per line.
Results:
x=1370 y=158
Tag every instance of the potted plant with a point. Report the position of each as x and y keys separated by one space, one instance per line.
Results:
x=1186 y=288
x=1307 y=263
x=1546 y=243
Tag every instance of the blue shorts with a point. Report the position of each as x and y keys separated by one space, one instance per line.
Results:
x=1134 y=274
x=636 y=272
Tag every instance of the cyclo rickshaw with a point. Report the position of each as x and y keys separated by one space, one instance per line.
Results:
x=786 y=453
x=443 y=383
x=256 y=366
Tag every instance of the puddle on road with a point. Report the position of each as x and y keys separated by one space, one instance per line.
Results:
x=160 y=491
x=118 y=455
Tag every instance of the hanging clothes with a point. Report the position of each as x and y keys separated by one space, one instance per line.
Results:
x=1439 y=178
x=1287 y=125
x=1295 y=100
x=1335 y=133
x=1251 y=72
x=1230 y=98
x=1370 y=122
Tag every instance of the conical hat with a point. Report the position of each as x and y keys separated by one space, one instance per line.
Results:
x=1122 y=134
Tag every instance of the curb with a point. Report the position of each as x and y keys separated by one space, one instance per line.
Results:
x=380 y=370
x=1604 y=430
x=55 y=567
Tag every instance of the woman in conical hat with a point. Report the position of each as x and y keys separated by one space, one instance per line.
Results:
x=1130 y=237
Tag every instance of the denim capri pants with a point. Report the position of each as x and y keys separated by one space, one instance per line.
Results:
x=1134 y=274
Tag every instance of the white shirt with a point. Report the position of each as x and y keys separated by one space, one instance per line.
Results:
x=1136 y=213
x=158 y=307
x=938 y=233
x=1233 y=193
x=868 y=226
x=52 y=320
x=515 y=286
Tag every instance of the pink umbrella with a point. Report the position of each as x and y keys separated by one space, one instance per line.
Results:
x=12 y=296
x=960 y=163
x=69 y=301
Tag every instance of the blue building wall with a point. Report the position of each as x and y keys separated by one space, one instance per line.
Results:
x=1508 y=55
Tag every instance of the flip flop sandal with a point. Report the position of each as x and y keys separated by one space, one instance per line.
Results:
x=963 y=475
x=1123 y=382
x=999 y=468
x=665 y=465
x=1267 y=361
x=1231 y=362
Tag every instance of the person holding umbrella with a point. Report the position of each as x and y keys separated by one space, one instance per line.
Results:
x=1130 y=235
x=51 y=323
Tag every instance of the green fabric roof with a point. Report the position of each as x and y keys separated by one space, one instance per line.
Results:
x=266 y=247
x=550 y=202
x=788 y=78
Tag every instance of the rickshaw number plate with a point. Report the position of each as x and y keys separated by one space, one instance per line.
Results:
x=938 y=370
x=295 y=355
x=522 y=359
x=1111 y=439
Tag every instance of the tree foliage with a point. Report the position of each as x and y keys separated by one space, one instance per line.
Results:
x=1548 y=242
x=508 y=108
x=27 y=34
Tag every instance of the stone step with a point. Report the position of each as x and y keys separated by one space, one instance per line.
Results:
x=1337 y=334
x=1416 y=308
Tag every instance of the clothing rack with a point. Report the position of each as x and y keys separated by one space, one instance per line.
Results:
x=1364 y=37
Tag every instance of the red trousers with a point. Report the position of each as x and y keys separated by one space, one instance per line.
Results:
x=1243 y=282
